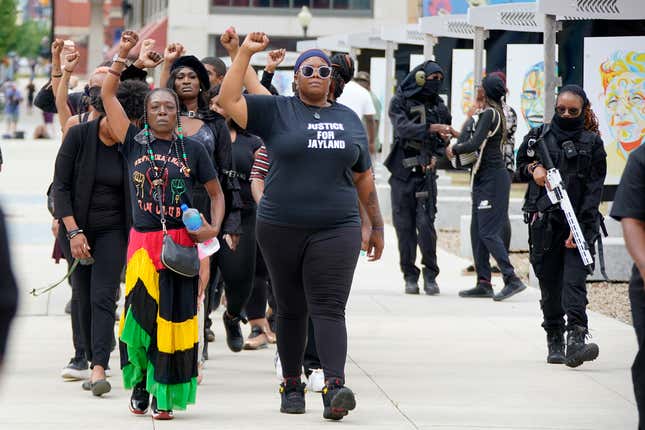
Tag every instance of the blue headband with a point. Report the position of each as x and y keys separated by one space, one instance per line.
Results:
x=308 y=54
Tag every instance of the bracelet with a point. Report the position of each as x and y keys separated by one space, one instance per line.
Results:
x=115 y=73
x=69 y=71
x=378 y=228
x=59 y=75
x=72 y=234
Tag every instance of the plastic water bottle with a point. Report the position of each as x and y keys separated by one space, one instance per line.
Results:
x=193 y=221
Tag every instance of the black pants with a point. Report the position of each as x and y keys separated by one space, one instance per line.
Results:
x=238 y=267
x=637 y=300
x=94 y=291
x=491 y=190
x=311 y=360
x=562 y=277
x=414 y=223
x=311 y=272
x=257 y=306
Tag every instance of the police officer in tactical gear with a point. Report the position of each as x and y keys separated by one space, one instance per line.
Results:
x=577 y=151
x=420 y=121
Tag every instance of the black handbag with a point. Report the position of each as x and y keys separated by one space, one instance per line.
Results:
x=182 y=260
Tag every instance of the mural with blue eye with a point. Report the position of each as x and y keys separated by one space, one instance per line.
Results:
x=444 y=7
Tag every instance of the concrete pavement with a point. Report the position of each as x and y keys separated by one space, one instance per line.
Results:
x=415 y=362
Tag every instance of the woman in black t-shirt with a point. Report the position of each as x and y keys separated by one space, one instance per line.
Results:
x=158 y=331
x=90 y=200
x=308 y=220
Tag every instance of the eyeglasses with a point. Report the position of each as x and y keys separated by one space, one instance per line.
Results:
x=323 y=71
x=561 y=110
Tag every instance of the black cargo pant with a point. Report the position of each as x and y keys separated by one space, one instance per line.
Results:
x=637 y=300
x=414 y=223
x=491 y=189
x=561 y=273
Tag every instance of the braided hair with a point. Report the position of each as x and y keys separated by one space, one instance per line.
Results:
x=180 y=136
x=342 y=72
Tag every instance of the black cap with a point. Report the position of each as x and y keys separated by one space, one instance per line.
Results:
x=494 y=87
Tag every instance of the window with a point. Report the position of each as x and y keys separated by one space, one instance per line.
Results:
x=360 y=6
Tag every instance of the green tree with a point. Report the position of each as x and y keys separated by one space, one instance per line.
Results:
x=8 y=33
x=30 y=34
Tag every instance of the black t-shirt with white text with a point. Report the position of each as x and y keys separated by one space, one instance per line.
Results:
x=178 y=183
x=314 y=152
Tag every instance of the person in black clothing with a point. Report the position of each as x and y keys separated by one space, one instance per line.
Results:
x=629 y=209
x=490 y=192
x=420 y=119
x=8 y=289
x=188 y=77
x=310 y=240
x=91 y=201
x=577 y=151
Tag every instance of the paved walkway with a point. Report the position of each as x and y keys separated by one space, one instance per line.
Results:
x=415 y=362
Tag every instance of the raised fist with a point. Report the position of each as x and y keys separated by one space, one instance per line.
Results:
x=275 y=58
x=128 y=41
x=71 y=61
x=173 y=51
x=256 y=42
x=230 y=40
x=147 y=56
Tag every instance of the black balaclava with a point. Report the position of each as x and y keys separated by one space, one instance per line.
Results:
x=431 y=87
x=577 y=123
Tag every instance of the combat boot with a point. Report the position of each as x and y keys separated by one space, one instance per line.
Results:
x=577 y=350
x=430 y=285
x=411 y=287
x=555 y=344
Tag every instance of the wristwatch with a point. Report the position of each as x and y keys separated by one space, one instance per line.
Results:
x=124 y=61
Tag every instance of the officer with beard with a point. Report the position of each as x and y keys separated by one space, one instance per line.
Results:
x=421 y=123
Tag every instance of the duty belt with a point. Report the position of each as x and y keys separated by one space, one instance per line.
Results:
x=234 y=174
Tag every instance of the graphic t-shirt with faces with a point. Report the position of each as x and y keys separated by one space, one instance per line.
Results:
x=177 y=185
x=314 y=152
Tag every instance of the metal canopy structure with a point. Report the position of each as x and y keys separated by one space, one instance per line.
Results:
x=510 y=17
x=553 y=10
x=458 y=27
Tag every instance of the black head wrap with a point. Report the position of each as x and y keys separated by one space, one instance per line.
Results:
x=577 y=90
x=494 y=87
x=193 y=63
x=410 y=86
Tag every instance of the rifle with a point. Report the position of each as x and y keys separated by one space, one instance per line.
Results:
x=558 y=194
x=425 y=152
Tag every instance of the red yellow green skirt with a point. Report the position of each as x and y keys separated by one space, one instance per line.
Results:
x=158 y=331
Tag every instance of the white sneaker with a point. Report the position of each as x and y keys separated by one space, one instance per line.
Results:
x=316 y=381
x=278 y=366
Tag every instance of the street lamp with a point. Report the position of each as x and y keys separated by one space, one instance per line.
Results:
x=304 y=18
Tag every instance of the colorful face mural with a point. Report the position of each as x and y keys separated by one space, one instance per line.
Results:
x=467 y=94
x=623 y=82
x=445 y=7
x=532 y=97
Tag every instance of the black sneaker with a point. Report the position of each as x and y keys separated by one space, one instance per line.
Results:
x=411 y=287
x=577 y=350
x=555 y=344
x=210 y=335
x=512 y=287
x=159 y=414
x=430 y=287
x=292 y=396
x=483 y=289
x=338 y=400
x=77 y=369
x=140 y=399
x=234 y=337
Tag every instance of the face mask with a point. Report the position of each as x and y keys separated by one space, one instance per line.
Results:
x=570 y=124
x=95 y=99
x=431 y=87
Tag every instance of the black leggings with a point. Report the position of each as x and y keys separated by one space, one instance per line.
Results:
x=94 y=291
x=257 y=305
x=238 y=267
x=311 y=272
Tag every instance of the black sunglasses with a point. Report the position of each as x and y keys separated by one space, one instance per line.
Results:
x=323 y=71
x=561 y=110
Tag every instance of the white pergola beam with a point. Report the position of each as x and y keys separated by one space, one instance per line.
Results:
x=592 y=9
